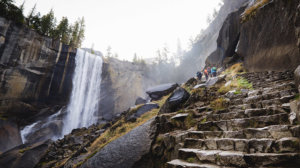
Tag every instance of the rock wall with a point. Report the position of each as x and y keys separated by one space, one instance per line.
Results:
x=35 y=72
x=268 y=40
x=122 y=83
x=194 y=59
x=227 y=40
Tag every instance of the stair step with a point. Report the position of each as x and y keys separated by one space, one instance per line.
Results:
x=239 y=124
x=275 y=132
x=210 y=116
x=183 y=164
x=265 y=145
x=240 y=159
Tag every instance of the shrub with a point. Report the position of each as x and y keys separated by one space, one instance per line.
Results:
x=219 y=104
x=251 y=11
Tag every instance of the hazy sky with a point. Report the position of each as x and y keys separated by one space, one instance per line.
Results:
x=133 y=26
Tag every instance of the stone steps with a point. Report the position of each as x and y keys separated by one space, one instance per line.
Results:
x=211 y=116
x=238 y=124
x=265 y=145
x=253 y=131
x=275 y=132
x=183 y=164
x=240 y=159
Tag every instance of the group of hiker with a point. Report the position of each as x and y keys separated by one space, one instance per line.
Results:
x=208 y=72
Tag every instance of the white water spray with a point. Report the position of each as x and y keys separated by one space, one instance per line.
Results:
x=85 y=96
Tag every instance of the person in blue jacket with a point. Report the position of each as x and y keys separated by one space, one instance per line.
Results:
x=214 y=71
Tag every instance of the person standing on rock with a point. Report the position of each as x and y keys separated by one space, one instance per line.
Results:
x=209 y=71
x=199 y=75
x=206 y=74
x=214 y=71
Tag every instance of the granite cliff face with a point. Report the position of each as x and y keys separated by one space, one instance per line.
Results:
x=194 y=60
x=267 y=40
x=36 y=72
x=36 y=81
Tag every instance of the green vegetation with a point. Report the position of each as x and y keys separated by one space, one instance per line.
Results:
x=234 y=70
x=297 y=97
x=238 y=84
x=191 y=160
x=24 y=149
x=70 y=34
x=219 y=104
x=251 y=11
x=190 y=121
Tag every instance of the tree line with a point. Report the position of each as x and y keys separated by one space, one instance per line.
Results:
x=67 y=33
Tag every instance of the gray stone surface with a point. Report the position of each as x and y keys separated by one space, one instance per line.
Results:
x=125 y=151
x=227 y=40
x=24 y=156
x=159 y=91
x=175 y=101
x=297 y=76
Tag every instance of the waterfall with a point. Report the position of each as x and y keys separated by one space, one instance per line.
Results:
x=85 y=96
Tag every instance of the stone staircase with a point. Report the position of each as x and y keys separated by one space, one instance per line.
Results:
x=254 y=131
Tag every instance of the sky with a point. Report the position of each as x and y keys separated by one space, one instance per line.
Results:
x=133 y=26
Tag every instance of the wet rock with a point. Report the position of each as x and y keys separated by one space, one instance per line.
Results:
x=175 y=101
x=139 y=101
x=180 y=116
x=24 y=156
x=125 y=151
x=159 y=91
x=200 y=86
x=9 y=135
x=215 y=80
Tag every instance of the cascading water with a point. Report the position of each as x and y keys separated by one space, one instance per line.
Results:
x=85 y=96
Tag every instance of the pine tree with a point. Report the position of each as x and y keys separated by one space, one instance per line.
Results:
x=108 y=52
x=48 y=23
x=30 y=16
x=135 y=58
x=63 y=30
x=74 y=34
x=81 y=33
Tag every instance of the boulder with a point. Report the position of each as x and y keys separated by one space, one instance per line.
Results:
x=295 y=112
x=159 y=91
x=175 y=101
x=139 y=101
x=297 y=76
x=10 y=135
x=24 y=156
x=215 y=80
x=125 y=151
x=142 y=110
